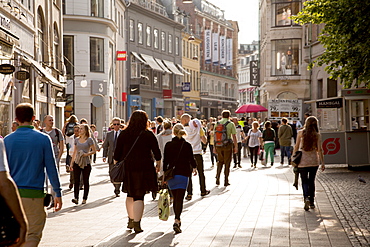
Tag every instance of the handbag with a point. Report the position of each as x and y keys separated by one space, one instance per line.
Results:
x=261 y=156
x=117 y=173
x=164 y=204
x=9 y=226
x=170 y=173
x=296 y=159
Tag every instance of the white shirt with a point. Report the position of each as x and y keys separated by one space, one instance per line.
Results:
x=239 y=130
x=71 y=141
x=254 y=138
x=193 y=136
x=3 y=160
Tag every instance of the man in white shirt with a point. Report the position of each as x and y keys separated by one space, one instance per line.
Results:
x=239 y=137
x=195 y=135
x=109 y=146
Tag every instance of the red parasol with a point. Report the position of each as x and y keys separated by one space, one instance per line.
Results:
x=250 y=108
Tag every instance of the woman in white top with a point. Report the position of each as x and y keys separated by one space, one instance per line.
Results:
x=164 y=137
x=255 y=141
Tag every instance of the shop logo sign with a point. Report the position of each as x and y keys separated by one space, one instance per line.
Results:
x=331 y=146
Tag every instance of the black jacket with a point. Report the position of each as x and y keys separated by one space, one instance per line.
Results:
x=183 y=161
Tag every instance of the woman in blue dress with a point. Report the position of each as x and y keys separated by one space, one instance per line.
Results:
x=178 y=153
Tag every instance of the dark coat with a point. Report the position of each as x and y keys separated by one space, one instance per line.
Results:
x=183 y=161
x=140 y=174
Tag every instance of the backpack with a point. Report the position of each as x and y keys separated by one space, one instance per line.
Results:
x=70 y=129
x=221 y=139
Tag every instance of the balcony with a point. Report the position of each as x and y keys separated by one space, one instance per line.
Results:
x=151 y=5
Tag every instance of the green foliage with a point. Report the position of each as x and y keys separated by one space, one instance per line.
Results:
x=345 y=37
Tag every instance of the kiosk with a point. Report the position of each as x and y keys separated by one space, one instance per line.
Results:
x=345 y=127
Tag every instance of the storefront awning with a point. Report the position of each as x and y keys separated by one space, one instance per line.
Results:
x=152 y=63
x=162 y=66
x=182 y=69
x=53 y=81
x=137 y=57
x=172 y=67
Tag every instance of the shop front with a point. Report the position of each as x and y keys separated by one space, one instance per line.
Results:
x=231 y=106
x=210 y=108
x=133 y=104
x=192 y=107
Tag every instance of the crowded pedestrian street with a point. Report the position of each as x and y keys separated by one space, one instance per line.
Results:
x=259 y=208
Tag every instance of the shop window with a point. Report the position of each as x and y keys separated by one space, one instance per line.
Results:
x=96 y=54
x=97 y=8
x=332 y=88
x=286 y=56
x=140 y=32
x=283 y=10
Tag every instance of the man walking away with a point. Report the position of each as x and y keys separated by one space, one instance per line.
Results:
x=239 y=137
x=195 y=135
x=56 y=137
x=285 y=134
x=225 y=140
x=30 y=154
x=109 y=146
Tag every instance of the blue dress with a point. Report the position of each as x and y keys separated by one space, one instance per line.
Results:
x=178 y=182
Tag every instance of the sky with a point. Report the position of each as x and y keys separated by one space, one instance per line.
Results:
x=246 y=13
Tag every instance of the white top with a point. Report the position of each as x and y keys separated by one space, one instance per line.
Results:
x=71 y=141
x=239 y=130
x=254 y=138
x=3 y=160
x=193 y=136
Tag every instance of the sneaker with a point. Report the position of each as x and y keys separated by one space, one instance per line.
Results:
x=205 y=193
x=75 y=201
x=189 y=197
x=176 y=228
x=306 y=204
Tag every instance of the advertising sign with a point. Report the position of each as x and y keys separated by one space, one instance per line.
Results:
x=254 y=73
x=121 y=56
x=186 y=86
x=215 y=49
x=229 y=53
x=289 y=108
x=331 y=103
x=222 y=50
x=207 y=46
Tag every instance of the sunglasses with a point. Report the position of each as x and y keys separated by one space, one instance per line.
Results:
x=116 y=124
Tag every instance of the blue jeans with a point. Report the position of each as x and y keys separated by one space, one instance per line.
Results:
x=285 y=150
x=308 y=175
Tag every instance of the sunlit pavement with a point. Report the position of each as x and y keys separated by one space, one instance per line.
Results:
x=259 y=208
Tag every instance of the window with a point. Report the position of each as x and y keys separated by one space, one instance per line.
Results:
x=156 y=38
x=177 y=46
x=68 y=50
x=132 y=30
x=40 y=36
x=163 y=41
x=170 y=43
x=319 y=89
x=148 y=36
x=285 y=56
x=56 y=47
x=96 y=55
x=283 y=10
x=97 y=8
x=140 y=32
x=332 y=88
x=135 y=67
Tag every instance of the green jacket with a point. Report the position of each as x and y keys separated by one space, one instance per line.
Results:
x=285 y=134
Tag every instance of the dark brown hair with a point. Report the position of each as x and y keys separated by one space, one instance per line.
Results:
x=138 y=122
x=24 y=112
x=310 y=134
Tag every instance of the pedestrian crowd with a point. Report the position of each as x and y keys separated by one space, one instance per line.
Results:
x=30 y=157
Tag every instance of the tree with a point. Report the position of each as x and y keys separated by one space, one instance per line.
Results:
x=345 y=37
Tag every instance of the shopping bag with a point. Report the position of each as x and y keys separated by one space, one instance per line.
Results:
x=261 y=156
x=164 y=204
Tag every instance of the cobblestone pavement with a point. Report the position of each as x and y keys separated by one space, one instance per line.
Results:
x=350 y=199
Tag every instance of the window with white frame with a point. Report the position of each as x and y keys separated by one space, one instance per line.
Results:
x=170 y=43
x=148 y=36
x=156 y=38
x=96 y=54
x=97 y=8
x=132 y=30
x=140 y=32
x=163 y=41
x=177 y=52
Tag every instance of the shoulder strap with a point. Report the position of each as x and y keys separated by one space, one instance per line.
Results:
x=137 y=138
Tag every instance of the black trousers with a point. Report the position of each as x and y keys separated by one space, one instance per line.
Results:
x=254 y=154
x=178 y=200
x=85 y=177
x=202 y=178
x=237 y=157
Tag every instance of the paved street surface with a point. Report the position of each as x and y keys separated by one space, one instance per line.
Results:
x=259 y=208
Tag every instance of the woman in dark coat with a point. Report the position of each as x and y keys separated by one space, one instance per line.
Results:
x=178 y=153
x=140 y=173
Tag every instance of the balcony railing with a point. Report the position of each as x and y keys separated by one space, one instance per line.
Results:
x=151 y=5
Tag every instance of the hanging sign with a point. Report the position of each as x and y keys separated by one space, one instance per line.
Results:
x=6 y=69
x=22 y=75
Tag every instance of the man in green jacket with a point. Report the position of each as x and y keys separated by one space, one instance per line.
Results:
x=285 y=134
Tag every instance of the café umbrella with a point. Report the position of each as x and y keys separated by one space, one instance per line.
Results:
x=247 y=108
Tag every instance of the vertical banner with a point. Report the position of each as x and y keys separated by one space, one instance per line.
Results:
x=207 y=46
x=254 y=73
x=215 y=49
x=223 y=51
x=229 y=53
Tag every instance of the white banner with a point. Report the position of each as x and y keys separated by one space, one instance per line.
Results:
x=207 y=46
x=223 y=50
x=229 y=53
x=215 y=49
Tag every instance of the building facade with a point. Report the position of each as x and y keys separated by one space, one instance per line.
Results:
x=31 y=43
